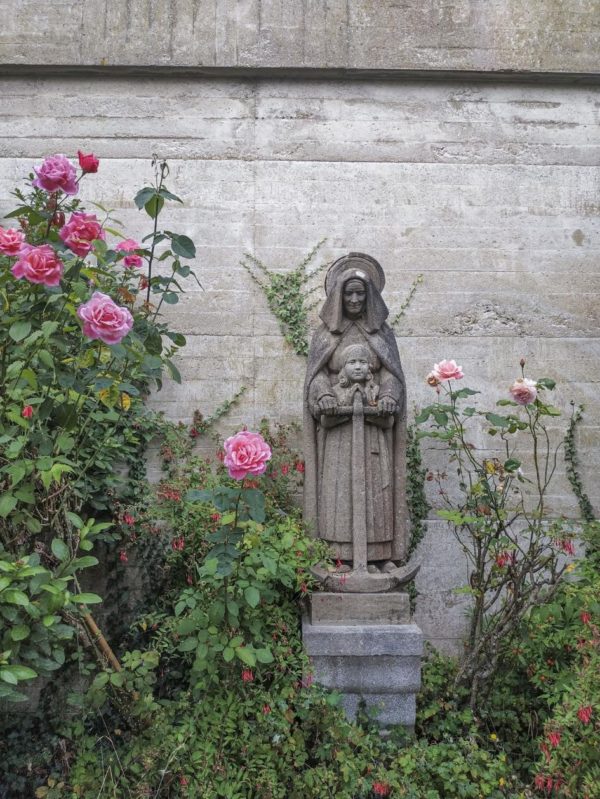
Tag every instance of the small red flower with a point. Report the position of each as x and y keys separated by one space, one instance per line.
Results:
x=554 y=738
x=247 y=675
x=89 y=162
x=58 y=219
x=285 y=469
x=27 y=412
x=584 y=714
x=128 y=519
x=220 y=455
x=123 y=556
x=266 y=709
x=585 y=617
x=381 y=789
x=215 y=517
x=549 y=784
x=540 y=781
x=189 y=579
x=177 y=544
x=183 y=781
x=303 y=588
x=299 y=466
x=194 y=433
x=567 y=546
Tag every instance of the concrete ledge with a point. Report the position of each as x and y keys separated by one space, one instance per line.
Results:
x=350 y=609
x=385 y=674
x=362 y=641
x=389 y=709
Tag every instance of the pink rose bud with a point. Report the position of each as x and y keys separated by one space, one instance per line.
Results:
x=11 y=241
x=88 y=163
x=38 y=265
x=80 y=231
x=27 y=412
x=57 y=173
x=105 y=320
x=445 y=370
x=127 y=246
x=246 y=453
x=523 y=391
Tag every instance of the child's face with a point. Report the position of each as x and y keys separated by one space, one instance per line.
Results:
x=357 y=368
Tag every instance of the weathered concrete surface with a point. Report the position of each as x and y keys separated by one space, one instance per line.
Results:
x=379 y=664
x=490 y=191
x=446 y=35
x=391 y=608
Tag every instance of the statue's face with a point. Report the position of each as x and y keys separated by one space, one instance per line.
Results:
x=357 y=368
x=354 y=295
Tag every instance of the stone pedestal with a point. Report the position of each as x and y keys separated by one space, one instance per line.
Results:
x=364 y=646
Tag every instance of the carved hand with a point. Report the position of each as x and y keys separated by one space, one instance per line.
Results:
x=387 y=405
x=327 y=405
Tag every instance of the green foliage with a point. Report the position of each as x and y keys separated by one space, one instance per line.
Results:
x=71 y=412
x=287 y=296
x=573 y=465
x=395 y=324
x=513 y=550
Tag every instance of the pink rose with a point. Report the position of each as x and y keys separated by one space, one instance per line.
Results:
x=246 y=453
x=88 y=163
x=11 y=241
x=127 y=246
x=445 y=370
x=38 y=265
x=104 y=319
x=523 y=391
x=80 y=231
x=57 y=173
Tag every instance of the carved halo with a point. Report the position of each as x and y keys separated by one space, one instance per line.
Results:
x=357 y=264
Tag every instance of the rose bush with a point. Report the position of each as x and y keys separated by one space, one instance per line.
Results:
x=80 y=348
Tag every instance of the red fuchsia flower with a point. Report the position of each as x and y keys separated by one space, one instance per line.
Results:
x=105 y=320
x=194 y=433
x=215 y=517
x=285 y=469
x=585 y=617
x=189 y=579
x=504 y=558
x=549 y=784
x=446 y=370
x=169 y=493
x=381 y=789
x=128 y=519
x=80 y=231
x=303 y=588
x=246 y=453
x=123 y=556
x=523 y=391
x=299 y=466
x=89 y=162
x=183 y=781
x=127 y=246
x=247 y=675
x=554 y=738
x=567 y=546
x=540 y=781
x=177 y=544
x=266 y=709
x=57 y=173
x=38 y=265
x=27 y=412
x=584 y=714
x=11 y=241
x=307 y=680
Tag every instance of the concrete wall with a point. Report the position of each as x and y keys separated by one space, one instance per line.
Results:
x=489 y=188
x=560 y=36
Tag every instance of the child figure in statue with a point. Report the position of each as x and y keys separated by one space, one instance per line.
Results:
x=354 y=376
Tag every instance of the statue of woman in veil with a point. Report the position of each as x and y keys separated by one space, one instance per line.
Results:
x=353 y=330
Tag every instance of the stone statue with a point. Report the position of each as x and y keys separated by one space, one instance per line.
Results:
x=355 y=432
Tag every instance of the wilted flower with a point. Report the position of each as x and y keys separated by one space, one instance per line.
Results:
x=523 y=391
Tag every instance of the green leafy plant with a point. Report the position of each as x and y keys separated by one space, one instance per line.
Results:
x=79 y=352
x=499 y=518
